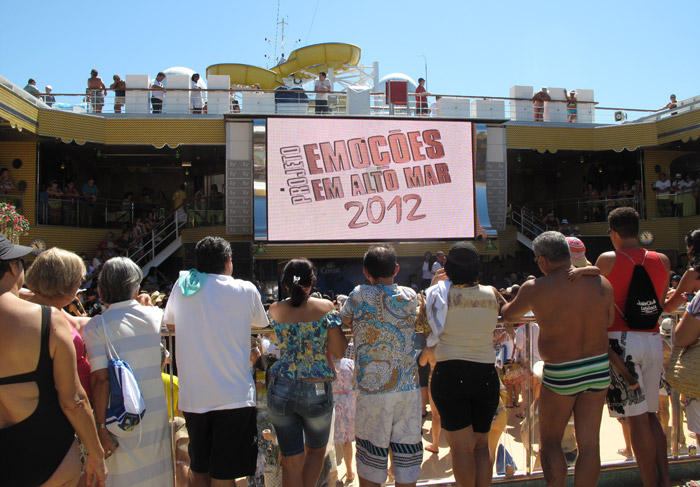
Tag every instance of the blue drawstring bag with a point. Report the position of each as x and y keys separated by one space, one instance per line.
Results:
x=126 y=404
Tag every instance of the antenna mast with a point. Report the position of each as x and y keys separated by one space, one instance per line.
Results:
x=279 y=27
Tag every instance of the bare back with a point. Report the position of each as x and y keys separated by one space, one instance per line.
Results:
x=20 y=342
x=573 y=316
x=312 y=309
x=95 y=83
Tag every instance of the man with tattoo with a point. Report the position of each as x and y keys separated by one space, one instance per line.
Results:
x=574 y=317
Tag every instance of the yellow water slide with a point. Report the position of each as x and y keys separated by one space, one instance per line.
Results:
x=303 y=63
x=246 y=75
x=307 y=62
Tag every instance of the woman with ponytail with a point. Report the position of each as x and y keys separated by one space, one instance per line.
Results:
x=300 y=397
x=690 y=282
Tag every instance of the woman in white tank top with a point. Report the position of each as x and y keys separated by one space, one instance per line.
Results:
x=465 y=386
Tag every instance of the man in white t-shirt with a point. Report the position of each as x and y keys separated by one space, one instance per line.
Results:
x=664 y=199
x=322 y=87
x=158 y=92
x=212 y=314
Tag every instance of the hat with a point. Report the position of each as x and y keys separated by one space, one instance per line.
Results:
x=676 y=277
x=564 y=221
x=573 y=92
x=462 y=254
x=10 y=251
x=578 y=252
x=666 y=327
x=49 y=87
x=679 y=176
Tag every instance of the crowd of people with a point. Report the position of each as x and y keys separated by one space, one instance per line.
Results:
x=677 y=197
x=244 y=398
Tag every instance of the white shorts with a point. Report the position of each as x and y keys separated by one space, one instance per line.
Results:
x=384 y=422
x=642 y=353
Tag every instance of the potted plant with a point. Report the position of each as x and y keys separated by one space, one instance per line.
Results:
x=12 y=224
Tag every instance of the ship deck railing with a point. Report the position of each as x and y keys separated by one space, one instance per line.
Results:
x=519 y=438
x=291 y=102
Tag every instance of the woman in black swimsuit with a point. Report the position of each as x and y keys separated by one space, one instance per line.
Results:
x=42 y=404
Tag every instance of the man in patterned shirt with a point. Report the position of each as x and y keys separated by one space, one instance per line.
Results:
x=388 y=415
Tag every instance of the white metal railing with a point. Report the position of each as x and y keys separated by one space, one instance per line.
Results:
x=575 y=210
x=269 y=102
x=526 y=221
x=151 y=244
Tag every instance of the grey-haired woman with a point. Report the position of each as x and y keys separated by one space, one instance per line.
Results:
x=142 y=457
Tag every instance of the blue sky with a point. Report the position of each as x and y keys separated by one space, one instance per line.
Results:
x=633 y=54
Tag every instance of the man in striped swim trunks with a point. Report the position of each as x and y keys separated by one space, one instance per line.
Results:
x=574 y=308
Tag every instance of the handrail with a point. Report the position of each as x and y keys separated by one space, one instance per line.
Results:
x=529 y=451
x=511 y=107
x=526 y=221
x=586 y=209
x=160 y=237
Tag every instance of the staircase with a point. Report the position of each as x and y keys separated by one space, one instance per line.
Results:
x=154 y=247
x=527 y=224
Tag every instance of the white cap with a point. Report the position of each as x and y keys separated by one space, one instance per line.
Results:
x=666 y=326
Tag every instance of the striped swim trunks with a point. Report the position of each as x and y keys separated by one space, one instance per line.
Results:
x=573 y=378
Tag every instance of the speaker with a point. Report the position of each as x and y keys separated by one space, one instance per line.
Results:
x=242 y=260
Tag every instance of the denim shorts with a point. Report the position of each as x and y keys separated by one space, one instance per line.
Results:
x=301 y=413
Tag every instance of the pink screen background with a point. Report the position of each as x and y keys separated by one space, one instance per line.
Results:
x=448 y=207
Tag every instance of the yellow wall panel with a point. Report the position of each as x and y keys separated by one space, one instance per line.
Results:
x=552 y=139
x=21 y=114
x=630 y=137
x=161 y=132
x=70 y=127
x=674 y=127
x=74 y=239
x=26 y=151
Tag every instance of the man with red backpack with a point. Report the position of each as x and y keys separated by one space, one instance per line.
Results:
x=640 y=280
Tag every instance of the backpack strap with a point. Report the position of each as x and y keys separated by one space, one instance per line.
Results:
x=630 y=258
x=633 y=262
x=111 y=351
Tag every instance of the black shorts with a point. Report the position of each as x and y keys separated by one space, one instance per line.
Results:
x=223 y=443
x=321 y=106
x=465 y=394
x=423 y=372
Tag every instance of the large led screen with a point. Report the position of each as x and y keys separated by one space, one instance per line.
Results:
x=356 y=179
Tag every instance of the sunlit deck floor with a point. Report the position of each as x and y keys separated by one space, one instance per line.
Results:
x=437 y=467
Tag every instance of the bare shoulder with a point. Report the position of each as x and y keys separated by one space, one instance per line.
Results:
x=529 y=286
x=665 y=260
x=322 y=305
x=275 y=309
x=606 y=262
x=59 y=330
